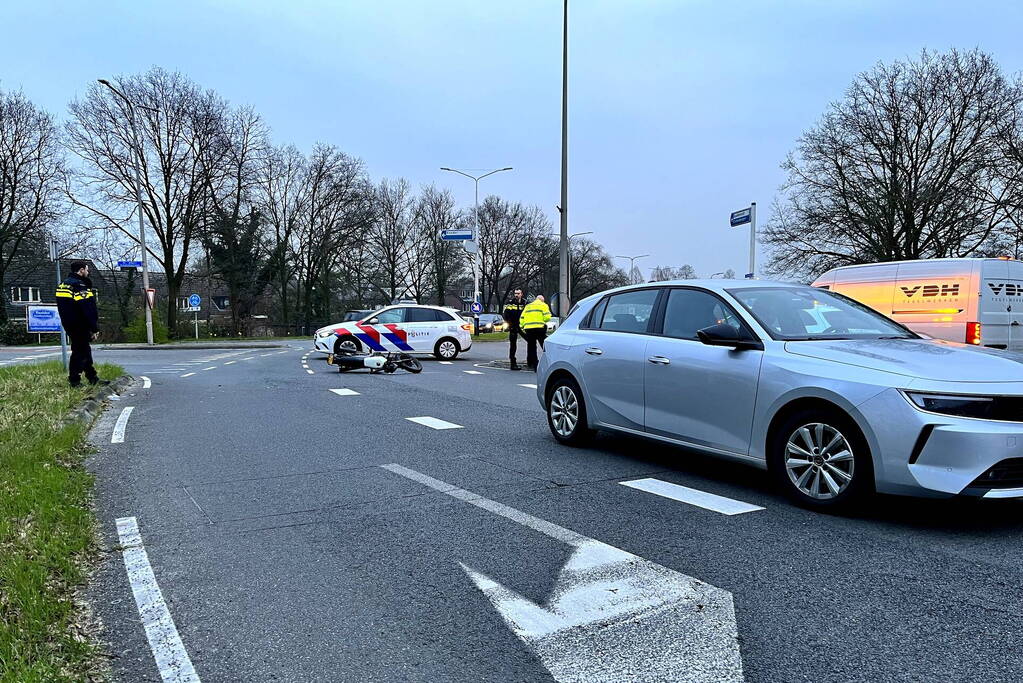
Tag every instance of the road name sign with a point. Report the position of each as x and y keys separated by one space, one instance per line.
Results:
x=190 y=309
x=476 y=307
x=740 y=217
x=194 y=301
x=748 y=276
x=42 y=318
x=456 y=234
x=129 y=265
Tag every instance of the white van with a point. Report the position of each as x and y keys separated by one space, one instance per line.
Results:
x=972 y=300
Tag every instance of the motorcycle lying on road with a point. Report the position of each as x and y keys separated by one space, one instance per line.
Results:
x=376 y=362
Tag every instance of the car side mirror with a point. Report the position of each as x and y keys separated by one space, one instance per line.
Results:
x=372 y=321
x=726 y=335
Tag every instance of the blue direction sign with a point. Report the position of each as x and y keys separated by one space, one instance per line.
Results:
x=476 y=307
x=124 y=265
x=194 y=300
x=741 y=217
x=456 y=234
x=42 y=319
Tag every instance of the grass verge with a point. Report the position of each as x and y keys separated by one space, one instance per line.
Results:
x=46 y=527
x=491 y=336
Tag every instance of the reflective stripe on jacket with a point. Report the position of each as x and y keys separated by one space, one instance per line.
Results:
x=534 y=315
x=76 y=303
x=512 y=312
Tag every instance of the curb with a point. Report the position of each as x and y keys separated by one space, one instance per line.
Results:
x=179 y=347
x=93 y=405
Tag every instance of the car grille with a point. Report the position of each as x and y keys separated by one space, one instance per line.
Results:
x=1007 y=474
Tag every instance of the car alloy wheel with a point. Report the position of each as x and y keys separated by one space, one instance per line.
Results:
x=446 y=349
x=819 y=461
x=346 y=346
x=564 y=411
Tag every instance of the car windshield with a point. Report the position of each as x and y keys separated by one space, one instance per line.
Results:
x=803 y=314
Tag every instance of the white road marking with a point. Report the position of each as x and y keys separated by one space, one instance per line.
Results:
x=265 y=354
x=528 y=386
x=212 y=367
x=146 y=383
x=188 y=374
x=472 y=372
x=612 y=615
x=345 y=392
x=230 y=362
x=684 y=494
x=445 y=362
x=434 y=423
x=249 y=358
x=119 y=426
x=310 y=372
x=169 y=652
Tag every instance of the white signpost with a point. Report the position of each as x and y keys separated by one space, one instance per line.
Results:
x=742 y=217
x=193 y=307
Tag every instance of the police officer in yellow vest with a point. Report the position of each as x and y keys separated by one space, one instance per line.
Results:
x=533 y=322
x=76 y=303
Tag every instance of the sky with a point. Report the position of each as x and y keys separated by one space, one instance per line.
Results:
x=680 y=111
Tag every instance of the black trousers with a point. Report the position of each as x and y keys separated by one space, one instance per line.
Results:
x=513 y=341
x=81 y=357
x=534 y=336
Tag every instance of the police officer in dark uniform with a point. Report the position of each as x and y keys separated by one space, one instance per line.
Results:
x=511 y=313
x=76 y=302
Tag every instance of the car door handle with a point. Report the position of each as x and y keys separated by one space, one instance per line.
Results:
x=594 y=351
x=659 y=360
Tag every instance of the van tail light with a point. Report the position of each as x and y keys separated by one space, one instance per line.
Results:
x=468 y=328
x=973 y=333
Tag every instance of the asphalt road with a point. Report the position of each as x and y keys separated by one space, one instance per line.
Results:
x=279 y=548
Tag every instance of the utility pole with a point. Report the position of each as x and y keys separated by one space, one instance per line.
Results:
x=564 y=305
x=55 y=255
x=752 y=240
x=137 y=141
x=476 y=237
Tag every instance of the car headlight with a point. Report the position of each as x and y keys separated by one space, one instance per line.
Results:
x=958 y=405
x=324 y=333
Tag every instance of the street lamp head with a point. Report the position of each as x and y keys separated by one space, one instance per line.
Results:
x=507 y=168
x=445 y=168
x=104 y=81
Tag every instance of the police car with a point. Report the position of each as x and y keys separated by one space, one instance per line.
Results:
x=411 y=328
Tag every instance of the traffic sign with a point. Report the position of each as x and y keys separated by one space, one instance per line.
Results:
x=194 y=301
x=740 y=217
x=749 y=276
x=456 y=234
x=150 y=297
x=190 y=309
x=129 y=265
x=476 y=307
x=42 y=318
x=470 y=246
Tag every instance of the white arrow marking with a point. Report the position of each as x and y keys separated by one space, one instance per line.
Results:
x=613 y=616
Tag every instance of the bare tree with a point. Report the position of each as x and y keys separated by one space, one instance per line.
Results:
x=442 y=260
x=178 y=124
x=511 y=237
x=901 y=168
x=662 y=273
x=390 y=237
x=281 y=197
x=31 y=165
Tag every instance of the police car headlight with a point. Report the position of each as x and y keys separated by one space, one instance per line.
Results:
x=324 y=333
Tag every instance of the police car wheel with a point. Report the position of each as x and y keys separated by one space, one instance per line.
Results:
x=446 y=349
x=566 y=412
x=347 y=344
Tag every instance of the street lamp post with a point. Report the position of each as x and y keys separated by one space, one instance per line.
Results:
x=563 y=296
x=138 y=198
x=632 y=263
x=476 y=236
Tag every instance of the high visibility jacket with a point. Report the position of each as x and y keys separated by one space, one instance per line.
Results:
x=512 y=311
x=534 y=315
x=76 y=303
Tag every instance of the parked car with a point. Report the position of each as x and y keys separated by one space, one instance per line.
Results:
x=832 y=398
x=410 y=328
x=973 y=300
x=491 y=322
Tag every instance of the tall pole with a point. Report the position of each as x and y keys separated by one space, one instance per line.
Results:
x=632 y=266
x=63 y=335
x=137 y=141
x=564 y=305
x=753 y=240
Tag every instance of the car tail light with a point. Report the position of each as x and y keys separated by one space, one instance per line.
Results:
x=467 y=327
x=973 y=333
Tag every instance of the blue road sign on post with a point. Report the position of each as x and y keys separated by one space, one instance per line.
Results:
x=42 y=319
x=476 y=307
x=129 y=265
x=456 y=234
x=194 y=300
x=740 y=217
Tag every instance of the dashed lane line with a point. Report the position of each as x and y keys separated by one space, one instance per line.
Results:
x=434 y=423
x=146 y=382
x=172 y=659
x=345 y=392
x=121 y=424
x=684 y=494
x=310 y=372
x=445 y=362
x=472 y=372
x=188 y=374
x=212 y=367
x=230 y=362
x=528 y=386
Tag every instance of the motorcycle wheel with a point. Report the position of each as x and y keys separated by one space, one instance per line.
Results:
x=411 y=365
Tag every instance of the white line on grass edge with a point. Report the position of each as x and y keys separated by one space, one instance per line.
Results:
x=169 y=652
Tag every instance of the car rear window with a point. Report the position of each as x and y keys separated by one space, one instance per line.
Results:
x=629 y=311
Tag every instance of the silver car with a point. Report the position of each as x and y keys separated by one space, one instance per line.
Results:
x=832 y=398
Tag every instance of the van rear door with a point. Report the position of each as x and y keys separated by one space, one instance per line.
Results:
x=1001 y=304
x=932 y=297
